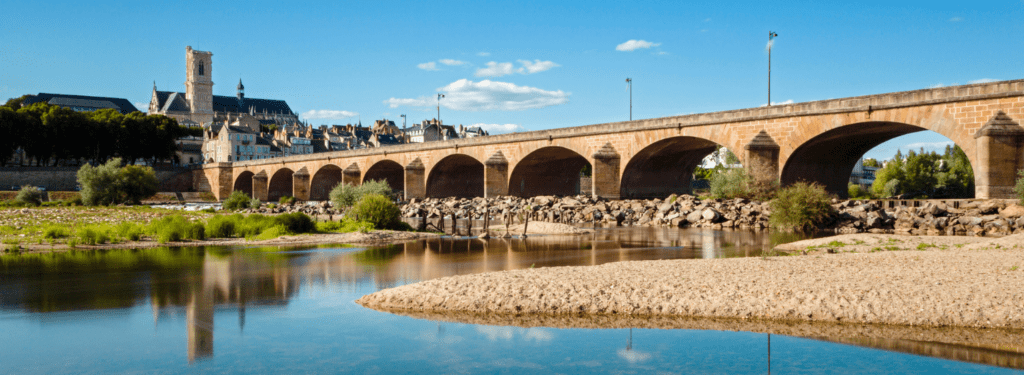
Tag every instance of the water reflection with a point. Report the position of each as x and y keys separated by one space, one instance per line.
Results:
x=284 y=287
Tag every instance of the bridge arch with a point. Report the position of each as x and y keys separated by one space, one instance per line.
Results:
x=456 y=175
x=828 y=158
x=551 y=170
x=280 y=184
x=664 y=167
x=243 y=183
x=387 y=170
x=325 y=179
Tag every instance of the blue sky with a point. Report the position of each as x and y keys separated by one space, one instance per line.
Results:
x=514 y=65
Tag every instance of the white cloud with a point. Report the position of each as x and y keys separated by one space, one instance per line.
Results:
x=500 y=128
x=661 y=53
x=928 y=146
x=632 y=45
x=141 y=106
x=451 y=62
x=483 y=54
x=495 y=69
x=937 y=85
x=328 y=114
x=537 y=334
x=487 y=95
x=427 y=66
x=496 y=333
x=536 y=66
x=983 y=80
x=418 y=102
x=790 y=101
x=956 y=19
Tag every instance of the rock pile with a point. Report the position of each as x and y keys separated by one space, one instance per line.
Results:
x=977 y=218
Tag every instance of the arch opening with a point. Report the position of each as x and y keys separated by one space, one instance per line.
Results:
x=387 y=170
x=325 y=179
x=833 y=158
x=550 y=170
x=456 y=175
x=664 y=168
x=280 y=185
x=243 y=183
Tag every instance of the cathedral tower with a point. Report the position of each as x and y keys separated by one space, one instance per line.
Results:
x=199 y=84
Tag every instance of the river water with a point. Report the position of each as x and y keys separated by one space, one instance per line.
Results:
x=281 y=310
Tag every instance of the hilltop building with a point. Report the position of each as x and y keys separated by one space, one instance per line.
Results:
x=197 y=106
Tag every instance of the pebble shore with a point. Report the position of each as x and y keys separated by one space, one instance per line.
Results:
x=969 y=286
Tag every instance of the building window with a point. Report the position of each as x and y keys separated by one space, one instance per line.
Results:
x=202 y=70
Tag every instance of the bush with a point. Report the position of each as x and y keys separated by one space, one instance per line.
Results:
x=54 y=231
x=236 y=201
x=29 y=195
x=1019 y=188
x=111 y=184
x=286 y=200
x=377 y=210
x=129 y=231
x=92 y=235
x=346 y=195
x=729 y=183
x=801 y=206
x=857 y=192
x=343 y=226
x=296 y=222
x=273 y=232
x=222 y=226
x=254 y=203
x=176 y=228
x=135 y=182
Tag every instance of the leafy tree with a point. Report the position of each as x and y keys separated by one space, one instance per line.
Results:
x=871 y=162
x=98 y=183
x=135 y=183
x=11 y=124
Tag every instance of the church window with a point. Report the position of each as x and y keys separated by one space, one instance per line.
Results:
x=202 y=70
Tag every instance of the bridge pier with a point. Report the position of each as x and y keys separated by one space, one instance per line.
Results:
x=496 y=175
x=219 y=178
x=351 y=175
x=606 y=172
x=300 y=184
x=1000 y=155
x=415 y=186
x=260 y=183
x=762 y=158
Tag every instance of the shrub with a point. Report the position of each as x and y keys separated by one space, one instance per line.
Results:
x=377 y=210
x=135 y=182
x=222 y=226
x=346 y=195
x=236 y=201
x=801 y=206
x=296 y=222
x=53 y=231
x=252 y=225
x=272 y=233
x=286 y=200
x=176 y=228
x=857 y=192
x=343 y=226
x=111 y=184
x=729 y=183
x=254 y=203
x=1019 y=188
x=92 y=234
x=129 y=230
x=29 y=195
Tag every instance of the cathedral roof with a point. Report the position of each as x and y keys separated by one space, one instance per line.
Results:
x=175 y=101
x=81 y=101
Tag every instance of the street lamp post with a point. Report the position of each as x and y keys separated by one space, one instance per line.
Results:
x=771 y=36
x=439 y=96
x=629 y=81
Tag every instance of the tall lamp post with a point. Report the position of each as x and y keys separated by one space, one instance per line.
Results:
x=629 y=82
x=439 y=96
x=771 y=37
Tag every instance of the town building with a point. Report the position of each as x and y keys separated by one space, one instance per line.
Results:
x=82 y=103
x=198 y=107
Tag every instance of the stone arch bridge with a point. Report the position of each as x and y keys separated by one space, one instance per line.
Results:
x=815 y=141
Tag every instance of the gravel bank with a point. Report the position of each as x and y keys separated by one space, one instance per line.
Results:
x=953 y=287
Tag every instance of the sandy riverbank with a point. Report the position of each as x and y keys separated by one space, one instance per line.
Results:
x=376 y=237
x=974 y=285
x=539 y=227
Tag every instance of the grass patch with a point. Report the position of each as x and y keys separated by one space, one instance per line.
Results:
x=924 y=246
x=176 y=228
x=343 y=226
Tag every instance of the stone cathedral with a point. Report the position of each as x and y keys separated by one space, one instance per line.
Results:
x=198 y=107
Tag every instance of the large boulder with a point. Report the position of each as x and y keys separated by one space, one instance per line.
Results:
x=1012 y=211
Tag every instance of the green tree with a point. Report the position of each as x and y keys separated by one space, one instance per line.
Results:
x=99 y=183
x=11 y=124
x=135 y=183
x=871 y=162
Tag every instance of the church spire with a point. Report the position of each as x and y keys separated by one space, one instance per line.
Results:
x=241 y=91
